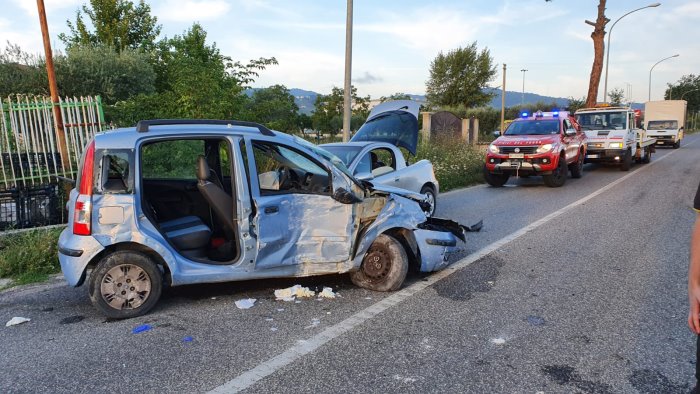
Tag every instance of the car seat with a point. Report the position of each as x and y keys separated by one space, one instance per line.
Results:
x=219 y=201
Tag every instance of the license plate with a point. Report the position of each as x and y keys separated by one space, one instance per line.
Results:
x=516 y=155
x=660 y=142
x=593 y=156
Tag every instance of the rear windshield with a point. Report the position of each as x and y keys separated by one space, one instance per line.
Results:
x=662 y=124
x=533 y=127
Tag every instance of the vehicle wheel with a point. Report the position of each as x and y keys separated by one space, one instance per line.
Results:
x=384 y=267
x=677 y=144
x=125 y=284
x=432 y=199
x=577 y=167
x=626 y=162
x=558 y=177
x=495 y=180
x=647 y=156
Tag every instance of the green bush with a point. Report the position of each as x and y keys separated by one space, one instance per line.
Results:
x=29 y=256
x=456 y=163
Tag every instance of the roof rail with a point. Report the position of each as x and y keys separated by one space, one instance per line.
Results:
x=143 y=125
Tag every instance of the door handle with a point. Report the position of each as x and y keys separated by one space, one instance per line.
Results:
x=397 y=179
x=272 y=209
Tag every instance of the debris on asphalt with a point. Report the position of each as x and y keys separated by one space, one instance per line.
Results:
x=16 y=320
x=187 y=339
x=141 y=328
x=326 y=293
x=294 y=292
x=280 y=309
x=314 y=322
x=269 y=319
x=498 y=341
x=72 y=319
x=245 y=303
x=536 y=320
x=273 y=329
x=368 y=298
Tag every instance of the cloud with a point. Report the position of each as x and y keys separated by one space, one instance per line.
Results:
x=367 y=78
x=30 y=7
x=191 y=10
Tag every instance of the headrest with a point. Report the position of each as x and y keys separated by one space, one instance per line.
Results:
x=202 y=168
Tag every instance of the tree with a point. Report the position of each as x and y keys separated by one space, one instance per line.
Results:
x=101 y=70
x=616 y=96
x=274 y=107
x=328 y=116
x=116 y=23
x=688 y=86
x=460 y=76
x=21 y=72
x=598 y=37
x=395 y=96
x=575 y=104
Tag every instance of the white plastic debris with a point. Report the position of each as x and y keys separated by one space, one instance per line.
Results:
x=280 y=309
x=17 y=320
x=327 y=293
x=269 y=319
x=498 y=341
x=291 y=293
x=273 y=329
x=314 y=322
x=245 y=303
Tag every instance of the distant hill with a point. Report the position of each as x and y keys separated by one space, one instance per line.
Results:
x=305 y=99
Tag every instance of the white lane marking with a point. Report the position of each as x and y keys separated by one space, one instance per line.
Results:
x=304 y=347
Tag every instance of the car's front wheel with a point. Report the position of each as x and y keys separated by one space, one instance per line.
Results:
x=495 y=180
x=125 y=284
x=431 y=199
x=384 y=267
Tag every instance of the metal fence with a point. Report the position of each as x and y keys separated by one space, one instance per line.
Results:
x=30 y=158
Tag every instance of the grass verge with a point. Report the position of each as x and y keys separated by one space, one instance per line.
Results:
x=456 y=163
x=30 y=256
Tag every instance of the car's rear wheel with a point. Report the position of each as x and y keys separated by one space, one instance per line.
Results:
x=558 y=177
x=495 y=180
x=431 y=197
x=626 y=161
x=125 y=284
x=384 y=267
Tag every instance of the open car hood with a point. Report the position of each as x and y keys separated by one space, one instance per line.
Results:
x=394 y=122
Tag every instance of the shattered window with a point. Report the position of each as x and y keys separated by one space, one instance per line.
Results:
x=283 y=170
x=115 y=175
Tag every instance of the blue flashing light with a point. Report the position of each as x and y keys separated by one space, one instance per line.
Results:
x=555 y=114
x=524 y=115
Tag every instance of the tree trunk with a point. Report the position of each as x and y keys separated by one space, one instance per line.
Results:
x=598 y=37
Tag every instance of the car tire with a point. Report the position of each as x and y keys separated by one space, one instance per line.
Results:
x=125 y=284
x=626 y=162
x=495 y=180
x=432 y=199
x=677 y=144
x=647 y=156
x=384 y=266
x=576 y=167
x=558 y=177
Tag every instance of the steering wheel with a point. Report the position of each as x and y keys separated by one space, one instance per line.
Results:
x=288 y=178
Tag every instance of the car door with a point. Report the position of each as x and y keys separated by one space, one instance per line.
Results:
x=572 y=141
x=296 y=219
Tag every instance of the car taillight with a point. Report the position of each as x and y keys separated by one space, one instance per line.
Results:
x=83 y=203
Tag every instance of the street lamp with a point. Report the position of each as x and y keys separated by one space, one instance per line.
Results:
x=652 y=68
x=522 y=97
x=607 y=55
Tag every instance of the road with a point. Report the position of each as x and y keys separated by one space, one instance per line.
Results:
x=576 y=289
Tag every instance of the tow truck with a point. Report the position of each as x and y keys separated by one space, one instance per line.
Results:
x=549 y=144
x=614 y=136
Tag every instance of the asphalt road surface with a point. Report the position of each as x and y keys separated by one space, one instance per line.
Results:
x=575 y=289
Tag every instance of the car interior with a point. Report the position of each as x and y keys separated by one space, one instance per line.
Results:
x=187 y=194
x=381 y=161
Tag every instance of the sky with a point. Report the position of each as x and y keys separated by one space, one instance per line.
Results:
x=395 y=41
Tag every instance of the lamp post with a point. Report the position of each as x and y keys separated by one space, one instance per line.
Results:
x=652 y=69
x=522 y=96
x=607 y=55
x=347 y=99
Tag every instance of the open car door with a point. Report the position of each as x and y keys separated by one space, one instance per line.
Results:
x=394 y=122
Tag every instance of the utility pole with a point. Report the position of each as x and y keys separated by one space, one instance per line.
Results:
x=503 y=99
x=522 y=97
x=347 y=102
x=58 y=120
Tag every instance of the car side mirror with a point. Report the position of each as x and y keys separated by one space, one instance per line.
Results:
x=344 y=196
x=570 y=132
x=364 y=176
x=496 y=133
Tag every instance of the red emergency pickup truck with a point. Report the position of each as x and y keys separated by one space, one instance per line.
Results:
x=549 y=144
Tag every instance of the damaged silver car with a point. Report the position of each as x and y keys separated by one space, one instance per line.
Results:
x=182 y=202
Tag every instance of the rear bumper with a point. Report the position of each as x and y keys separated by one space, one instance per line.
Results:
x=75 y=253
